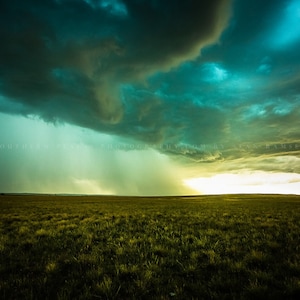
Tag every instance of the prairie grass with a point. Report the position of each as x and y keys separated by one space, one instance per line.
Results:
x=205 y=247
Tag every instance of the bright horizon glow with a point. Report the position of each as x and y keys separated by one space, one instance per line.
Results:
x=257 y=182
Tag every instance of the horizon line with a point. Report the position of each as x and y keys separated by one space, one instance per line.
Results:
x=137 y=196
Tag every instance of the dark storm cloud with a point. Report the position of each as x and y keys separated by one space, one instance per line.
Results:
x=133 y=68
x=65 y=60
x=171 y=31
x=159 y=118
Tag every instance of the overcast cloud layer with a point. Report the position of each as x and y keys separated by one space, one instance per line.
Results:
x=211 y=81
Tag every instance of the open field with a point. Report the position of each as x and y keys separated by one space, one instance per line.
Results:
x=206 y=247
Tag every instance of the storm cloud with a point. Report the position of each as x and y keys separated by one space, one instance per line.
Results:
x=65 y=61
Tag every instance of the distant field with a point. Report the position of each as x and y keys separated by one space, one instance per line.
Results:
x=205 y=247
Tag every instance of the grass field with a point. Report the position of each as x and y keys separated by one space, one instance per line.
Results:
x=206 y=247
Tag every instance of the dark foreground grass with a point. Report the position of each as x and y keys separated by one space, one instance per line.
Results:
x=216 y=247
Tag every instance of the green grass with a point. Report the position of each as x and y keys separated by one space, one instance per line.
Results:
x=208 y=247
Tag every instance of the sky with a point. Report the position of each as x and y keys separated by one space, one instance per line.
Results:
x=149 y=97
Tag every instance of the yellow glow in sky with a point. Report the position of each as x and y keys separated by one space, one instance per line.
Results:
x=254 y=182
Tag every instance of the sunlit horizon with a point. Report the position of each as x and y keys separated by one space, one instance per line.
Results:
x=252 y=183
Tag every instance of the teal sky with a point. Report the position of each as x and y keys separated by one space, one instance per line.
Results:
x=136 y=97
